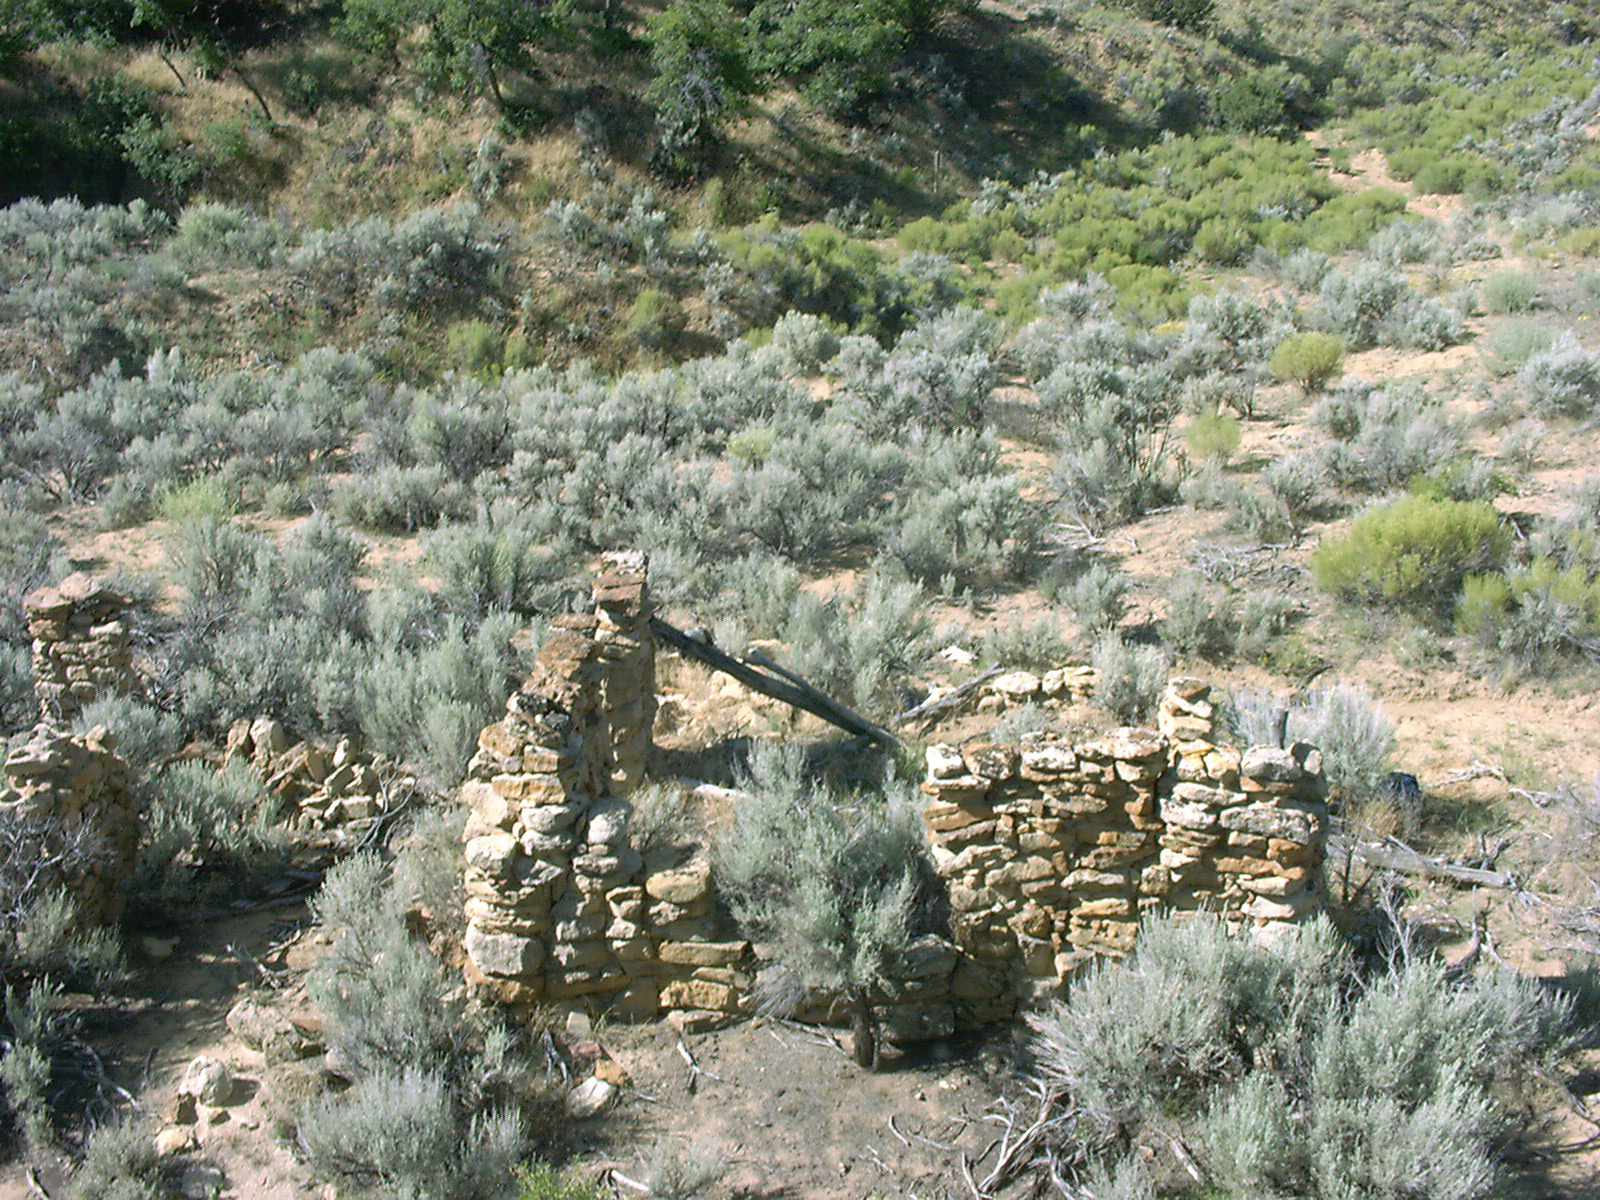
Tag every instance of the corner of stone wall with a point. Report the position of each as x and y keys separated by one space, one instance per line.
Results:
x=623 y=610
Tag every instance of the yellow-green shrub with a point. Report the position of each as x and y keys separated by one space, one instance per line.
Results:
x=1309 y=359
x=1413 y=551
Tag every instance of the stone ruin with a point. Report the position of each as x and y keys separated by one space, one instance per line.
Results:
x=318 y=785
x=62 y=789
x=80 y=645
x=67 y=796
x=1050 y=851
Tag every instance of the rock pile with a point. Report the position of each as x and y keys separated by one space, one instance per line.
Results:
x=80 y=645
x=326 y=786
x=70 y=791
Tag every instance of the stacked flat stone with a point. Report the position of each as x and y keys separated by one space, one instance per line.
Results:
x=1245 y=830
x=68 y=782
x=1041 y=847
x=528 y=787
x=80 y=645
x=1052 y=852
x=1063 y=685
x=627 y=652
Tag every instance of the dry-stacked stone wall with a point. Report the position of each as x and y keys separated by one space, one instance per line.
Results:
x=80 y=645
x=68 y=799
x=1050 y=852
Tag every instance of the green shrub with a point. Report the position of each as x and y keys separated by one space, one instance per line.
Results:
x=1412 y=551
x=206 y=496
x=1213 y=436
x=1034 y=645
x=1536 y=615
x=1510 y=292
x=1310 y=359
x=1192 y=16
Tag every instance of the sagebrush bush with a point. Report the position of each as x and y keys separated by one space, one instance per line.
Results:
x=120 y=1162
x=1197 y=624
x=1356 y=303
x=1355 y=735
x=426 y=1116
x=1413 y=551
x=1130 y=677
x=833 y=884
x=1098 y=597
x=203 y=832
x=1294 y=1072
x=1510 y=292
x=1563 y=380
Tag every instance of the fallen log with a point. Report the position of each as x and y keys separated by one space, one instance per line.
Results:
x=1411 y=862
x=761 y=674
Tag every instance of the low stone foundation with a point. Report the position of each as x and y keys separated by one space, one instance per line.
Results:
x=1050 y=852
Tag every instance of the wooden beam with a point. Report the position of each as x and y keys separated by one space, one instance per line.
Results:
x=764 y=676
x=1411 y=862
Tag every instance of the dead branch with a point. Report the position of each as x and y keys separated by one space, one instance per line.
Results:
x=758 y=672
x=271 y=978
x=928 y=710
x=1402 y=858
x=695 y=1069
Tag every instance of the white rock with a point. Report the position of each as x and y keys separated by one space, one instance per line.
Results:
x=173 y=1141
x=956 y=654
x=945 y=761
x=590 y=1098
x=1016 y=685
x=208 y=1081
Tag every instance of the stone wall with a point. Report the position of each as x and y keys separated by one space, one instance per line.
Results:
x=80 y=645
x=1050 y=851
x=65 y=789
